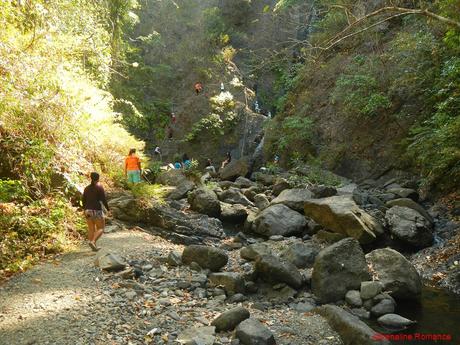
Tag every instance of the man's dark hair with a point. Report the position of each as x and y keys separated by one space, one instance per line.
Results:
x=132 y=151
x=94 y=177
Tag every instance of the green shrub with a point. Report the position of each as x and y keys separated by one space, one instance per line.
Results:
x=13 y=190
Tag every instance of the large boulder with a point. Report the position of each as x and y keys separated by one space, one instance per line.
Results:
x=337 y=269
x=293 y=198
x=232 y=282
x=409 y=226
x=271 y=269
x=243 y=182
x=206 y=256
x=351 y=329
x=396 y=273
x=342 y=215
x=228 y=320
x=406 y=202
x=279 y=220
x=235 y=169
x=233 y=213
x=110 y=262
x=253 y=251
x=234 y=196
x=173 y=177
x=181 y=190
x=253 y=332
x=204 y=200
x=301 y=254
x=170 y=221
x=126 y=208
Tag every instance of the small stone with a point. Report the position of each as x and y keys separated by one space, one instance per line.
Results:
x=353 y=298
x=130 y=295
x=385 y=306
x=394 y=321
x=228 y=320
x=370 y=289
x=253 y=332
x=276 y=238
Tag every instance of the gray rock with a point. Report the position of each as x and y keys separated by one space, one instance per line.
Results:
x=405 y=202
x=280 y=185
x=271 y=269
x=409 y=226
x=370 y=289
x=385 y=306
x=228 y=320
x=204 y=200
x=197 y=336
x=293 y=198
x=172 y=177
x=394 y=321
x=396 y=273
x=342 y=215
x=405 y=193
x=232 y=282
x=184 y=225
x=303 y=307
x=265 y=179
x=181 y=190
x=253 y=332
x=353 y=298
x=130 y=295
x=279 y=220
x=253 y=251
x=234 y=196
x=110 y=262
x=233 y=213
x=350 y=328
x=261 y=201
x=361 y=313
x=207 y=257
x=235 y=169
x=242 y=182
x=337 y=269
x=236 y=298
x=174 y=258
x=301 y=254
x=320 y=191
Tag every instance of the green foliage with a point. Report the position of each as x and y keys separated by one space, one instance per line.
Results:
x=32 y=232
x=360 y=95
x=148 y=191
x=12 y=190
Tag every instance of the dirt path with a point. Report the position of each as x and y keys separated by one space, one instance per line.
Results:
x=71 y=301
x=67 y=302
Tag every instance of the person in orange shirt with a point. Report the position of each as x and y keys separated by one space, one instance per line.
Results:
x=133 y=167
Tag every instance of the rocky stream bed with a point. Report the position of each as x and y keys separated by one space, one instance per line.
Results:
x=294 y=266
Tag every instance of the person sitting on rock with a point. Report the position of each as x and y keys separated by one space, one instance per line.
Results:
x=133 y=167
x=157 y=153
x=198 y=87
x=186 y=161
x=93 y=199
x=210 y=167
x=228 y=159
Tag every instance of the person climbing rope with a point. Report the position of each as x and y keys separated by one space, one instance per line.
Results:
x=157 y=154
x=170 y=132
x=198 y=87
x=173 y=118
x=228 y=159
x=256 y=106
x=133 y=167
x=222 y=87
x=92 y=200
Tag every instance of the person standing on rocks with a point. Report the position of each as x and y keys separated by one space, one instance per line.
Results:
x=93 y=199
x=133 y=167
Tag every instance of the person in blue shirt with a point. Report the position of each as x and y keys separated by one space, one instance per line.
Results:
x=186 y=161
